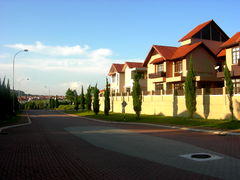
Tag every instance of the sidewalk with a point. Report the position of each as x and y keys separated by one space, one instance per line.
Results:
x=170 y=126
x=23 y=120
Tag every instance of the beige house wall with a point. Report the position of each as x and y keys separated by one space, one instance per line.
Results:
x=229 y=58
x=119 y=83
x=208 y=106
x=151 y=69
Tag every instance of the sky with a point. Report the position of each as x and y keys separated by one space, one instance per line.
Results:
x=73 y=43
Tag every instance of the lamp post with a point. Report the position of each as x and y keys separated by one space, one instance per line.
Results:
x=48 y=90
x=25 y=50
x=19 y=94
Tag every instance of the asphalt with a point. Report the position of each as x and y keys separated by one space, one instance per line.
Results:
x=49 y=145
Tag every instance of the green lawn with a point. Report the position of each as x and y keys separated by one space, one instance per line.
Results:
x=12 y=119
x=213 y=123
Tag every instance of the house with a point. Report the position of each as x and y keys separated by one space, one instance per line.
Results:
x=230 y=51
x=129 y=69
x=167 y=66
x=117 y=78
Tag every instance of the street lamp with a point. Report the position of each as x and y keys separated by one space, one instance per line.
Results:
x=48 y=90
x=25 y=50
x=19 y=94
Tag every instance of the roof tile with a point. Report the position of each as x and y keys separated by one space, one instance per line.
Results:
x=232 y=41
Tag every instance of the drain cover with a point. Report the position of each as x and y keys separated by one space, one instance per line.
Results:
x=201 y=156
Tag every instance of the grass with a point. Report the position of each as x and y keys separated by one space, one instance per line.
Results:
x=63 y=107
x=212 y=123
x=12 y=119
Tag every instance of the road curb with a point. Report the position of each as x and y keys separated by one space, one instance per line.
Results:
x=217 y=132
x=17 y=125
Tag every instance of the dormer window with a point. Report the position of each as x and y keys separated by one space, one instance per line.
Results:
x=235 y=55
x=209 y=32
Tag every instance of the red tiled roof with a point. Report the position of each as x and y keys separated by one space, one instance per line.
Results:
x=157 y=60
x=133 y=64
x=184 y=50
x=222 y=53
x=118 y=67
x=232 y=41
x=195 y=30
x=165 y=51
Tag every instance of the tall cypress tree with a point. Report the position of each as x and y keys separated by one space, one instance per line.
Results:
x=96 y=100
x=75 y=100
x=106 y=99
x=190 y=90
x=56 y=102
x=229 y=84
x=136 y=95
x=82 y=100
x=88 y=98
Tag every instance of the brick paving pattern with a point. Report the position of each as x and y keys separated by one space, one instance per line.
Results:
x=44 y=150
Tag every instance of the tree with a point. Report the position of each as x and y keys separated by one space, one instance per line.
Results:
x=106 y=99
x=96 y=100
x=82 y=100
x=88 y=98
x=70 y=95
x=75 y=100
x=190 y=90
x=229 y=84
x=136 y=95
x=56 y=102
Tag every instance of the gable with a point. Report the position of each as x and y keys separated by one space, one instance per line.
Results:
x=208 y=31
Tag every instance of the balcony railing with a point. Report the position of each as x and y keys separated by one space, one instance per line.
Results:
x=157 y=75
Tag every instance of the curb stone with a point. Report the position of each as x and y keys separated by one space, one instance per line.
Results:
x=217 y=132
x=23 y=124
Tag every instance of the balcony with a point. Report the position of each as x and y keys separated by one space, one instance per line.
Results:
x=157 y=75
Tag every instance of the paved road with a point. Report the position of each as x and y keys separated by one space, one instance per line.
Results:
x=57 y=146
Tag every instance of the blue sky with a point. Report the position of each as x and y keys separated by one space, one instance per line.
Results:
x=74 y=42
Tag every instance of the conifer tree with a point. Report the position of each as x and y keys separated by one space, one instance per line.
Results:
x=229 y=84
x=75 y=100
x=82 y=100
x=106 y=99
x=56 y=102
x=190 y=90
x=96 y=100
x=136 y=95
x=88 y=98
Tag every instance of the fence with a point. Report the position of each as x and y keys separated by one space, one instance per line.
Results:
x=207 y=91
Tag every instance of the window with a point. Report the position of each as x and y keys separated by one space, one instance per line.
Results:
x=219 y=63
x=235 y=55
x=159 y=67
x=113 y=78
x=178 y=66
x=206 y=32
x=158 y=86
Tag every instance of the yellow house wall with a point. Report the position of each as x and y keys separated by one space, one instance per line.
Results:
x=208 y=106
x=128 y=76
x=121 y=81
x=202 y=60
x=151 y=69
x=229 y=58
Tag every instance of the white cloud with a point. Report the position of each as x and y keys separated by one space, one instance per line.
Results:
x=59 y=67
x=52 y=50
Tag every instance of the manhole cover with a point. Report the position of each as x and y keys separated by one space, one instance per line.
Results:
x=201 y=156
